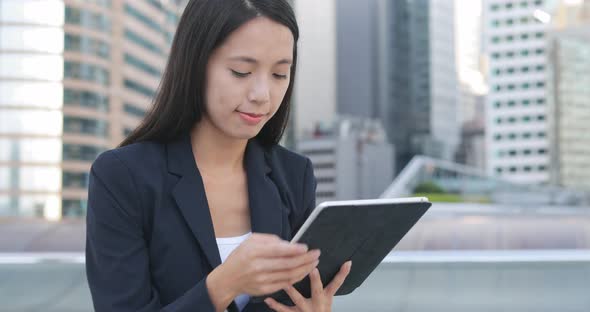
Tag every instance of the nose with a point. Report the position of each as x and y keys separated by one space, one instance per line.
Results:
x=259 y=91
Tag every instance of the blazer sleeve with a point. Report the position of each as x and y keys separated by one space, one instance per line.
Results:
x=117 y=263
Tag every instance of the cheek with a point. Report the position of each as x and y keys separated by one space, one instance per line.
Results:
x=278 y=97
x=223 y=96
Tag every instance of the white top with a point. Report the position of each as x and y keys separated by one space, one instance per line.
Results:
x=226 y=245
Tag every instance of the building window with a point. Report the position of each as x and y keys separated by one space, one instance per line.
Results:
x=495 y=7
x=81 y=152
x=325 y=194
x=540 y=84
x=524 y=69
x=513 y=169
x=73 y=207
x=542 y=151
x=511 y=103
x=149 y=22
x=139 y=40
x=542 y=168
x=526 y=152
x=525 y=85
x=524 y=52
x=541 y=117
x=539 y=35
x=87 y=45
x=512 y=152
x=323 y=166
x=526 y=102
x=88 y=99
x=141 y=65
x=511 y=119
x=527 y=168
x=498 y=137
x=75 y=179
x=541 y=134
x=524 y=36
x=510 y=70
x=93 y=127
x=540 y=67
x=134 y=110
x=526 y=118
x=497 y=104
x=87 y=19
x=325 y=180
x=524 y=4
x=139 y=88
x=540 y=101
x=87 y=72
x=526 y=135
x=499 y=170
x=539 y=51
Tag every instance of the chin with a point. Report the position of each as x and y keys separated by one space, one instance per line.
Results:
x=245 y=135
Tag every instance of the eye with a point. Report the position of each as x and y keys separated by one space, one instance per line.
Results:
x=239 y=74
x=280 y=76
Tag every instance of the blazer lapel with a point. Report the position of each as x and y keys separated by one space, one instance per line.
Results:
x=189 y=194
x=266 y=215
x=264 y=199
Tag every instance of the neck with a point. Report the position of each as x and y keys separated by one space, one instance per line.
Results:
x=215 y=151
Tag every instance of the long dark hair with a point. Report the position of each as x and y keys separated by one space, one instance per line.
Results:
x=204 y=25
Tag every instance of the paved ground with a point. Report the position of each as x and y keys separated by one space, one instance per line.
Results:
x=466 y=258
x=402 y=287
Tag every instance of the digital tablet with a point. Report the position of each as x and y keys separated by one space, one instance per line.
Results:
x=364 y=231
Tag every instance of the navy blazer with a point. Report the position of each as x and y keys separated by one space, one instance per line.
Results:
x=150 y=240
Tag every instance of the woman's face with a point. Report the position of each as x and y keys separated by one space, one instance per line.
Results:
x=247 y=77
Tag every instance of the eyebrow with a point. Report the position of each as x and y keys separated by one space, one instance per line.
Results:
x=254 y=61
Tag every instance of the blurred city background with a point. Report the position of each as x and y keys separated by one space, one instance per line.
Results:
x=481 y=105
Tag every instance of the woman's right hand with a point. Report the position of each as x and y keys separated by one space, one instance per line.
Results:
x=262 y=264
x=265 y=263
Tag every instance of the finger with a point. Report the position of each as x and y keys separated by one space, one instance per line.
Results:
x=291 y=276
x=317 y=289
x=287 y=263
x=297 y=298
x=339 y=279
x=279 y=307
x=281 y=249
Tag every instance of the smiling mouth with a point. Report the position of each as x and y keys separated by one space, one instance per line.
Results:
x=251 y=114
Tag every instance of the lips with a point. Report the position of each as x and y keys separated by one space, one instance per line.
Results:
x=251 y=118
x=253 y=115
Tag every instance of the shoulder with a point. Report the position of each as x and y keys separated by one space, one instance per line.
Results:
x=289 y=162
x=131 y=159
x=293 y=171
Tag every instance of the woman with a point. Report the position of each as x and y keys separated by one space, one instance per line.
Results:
x=193 y=212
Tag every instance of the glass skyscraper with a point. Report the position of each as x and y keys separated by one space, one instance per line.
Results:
x=75 y=78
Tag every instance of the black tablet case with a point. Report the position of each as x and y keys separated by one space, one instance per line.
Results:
x=363 y=234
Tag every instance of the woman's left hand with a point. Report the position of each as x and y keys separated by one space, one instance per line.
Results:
x=321 y=298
